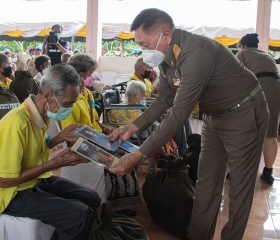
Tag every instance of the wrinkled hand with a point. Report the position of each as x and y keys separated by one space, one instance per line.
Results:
x=123 y=133
x=67 y=158
x=69 y=135
x=126 y=163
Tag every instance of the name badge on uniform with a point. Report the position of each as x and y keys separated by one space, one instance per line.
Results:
x=176 y=82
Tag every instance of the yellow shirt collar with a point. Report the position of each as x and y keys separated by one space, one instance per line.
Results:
x=35 y=116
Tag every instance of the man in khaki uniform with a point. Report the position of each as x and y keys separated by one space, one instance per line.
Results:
x=235 y=121
x=264 y=67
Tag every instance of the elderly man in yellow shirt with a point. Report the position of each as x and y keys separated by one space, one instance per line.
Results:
x=142 y=72
x=5 y=71
x=27 y=185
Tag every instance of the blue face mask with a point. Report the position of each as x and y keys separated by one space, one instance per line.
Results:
x=61 y=114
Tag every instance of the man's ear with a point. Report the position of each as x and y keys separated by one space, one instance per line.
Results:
x=47 y=94
x=168 y=35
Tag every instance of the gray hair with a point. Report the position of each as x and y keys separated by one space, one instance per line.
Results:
x=58 y=78
x=134 y=89
x=82 y=62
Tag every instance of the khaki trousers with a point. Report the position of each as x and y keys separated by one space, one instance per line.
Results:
x=234 y=138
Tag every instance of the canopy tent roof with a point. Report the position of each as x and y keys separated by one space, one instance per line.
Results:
x=214 y=19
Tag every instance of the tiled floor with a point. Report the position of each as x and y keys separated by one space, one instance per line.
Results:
x=264 y=221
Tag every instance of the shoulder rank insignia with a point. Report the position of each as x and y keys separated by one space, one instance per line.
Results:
x=176 y=51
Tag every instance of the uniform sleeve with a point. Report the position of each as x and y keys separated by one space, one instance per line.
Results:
x=12 y=140
x=195 y=68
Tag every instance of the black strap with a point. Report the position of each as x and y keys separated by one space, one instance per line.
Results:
x=268 y=74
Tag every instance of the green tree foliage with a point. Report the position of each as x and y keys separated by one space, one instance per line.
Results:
x=108 y=45
x=18 y=46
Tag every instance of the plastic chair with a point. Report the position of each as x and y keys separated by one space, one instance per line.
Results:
x=24 y=228
x=108 y=77
x=99 y=75
x=120 y=78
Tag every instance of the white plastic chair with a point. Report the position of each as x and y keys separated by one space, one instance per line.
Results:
x=108 y=77
x=12 y=228
x=99 y=75
x=120 y=78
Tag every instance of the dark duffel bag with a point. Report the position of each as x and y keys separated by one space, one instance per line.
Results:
x=109 y=226
x=192 y=156
x=169 y=195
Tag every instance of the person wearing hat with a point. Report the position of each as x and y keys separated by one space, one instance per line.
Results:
x=136 y=53
x=55 y=49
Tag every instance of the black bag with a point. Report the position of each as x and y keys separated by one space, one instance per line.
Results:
x=169 y=196
x=192 y=155
x=8 y=101
x=109 y=226
x=23 y=85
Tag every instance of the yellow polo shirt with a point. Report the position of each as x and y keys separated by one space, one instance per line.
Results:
x=83 y=112
x=6 y=83
x=149 y=86
x=22 y=145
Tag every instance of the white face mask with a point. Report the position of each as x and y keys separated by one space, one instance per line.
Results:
x=143 y=101
x=118 y=53
x=14 y=60
x=153 y=57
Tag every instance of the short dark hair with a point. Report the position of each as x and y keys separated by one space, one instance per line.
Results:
x=57 y=25
x=250 y=40
x=151 y=19
x=3 y=58
x=82 y=62
x=39 y=61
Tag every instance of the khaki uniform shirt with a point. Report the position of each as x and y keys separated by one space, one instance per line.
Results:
x=209 y=74
x=257 y=60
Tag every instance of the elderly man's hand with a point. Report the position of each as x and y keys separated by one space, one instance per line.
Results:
x=66 y=158
x=127 y=163
x=123 y=133
x=69 y=135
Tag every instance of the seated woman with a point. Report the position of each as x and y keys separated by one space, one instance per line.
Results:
x=5 y=71
x=121 y=192
x=135 y=94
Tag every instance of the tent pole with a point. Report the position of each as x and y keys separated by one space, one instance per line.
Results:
x=263 y=23
x=94 y=29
